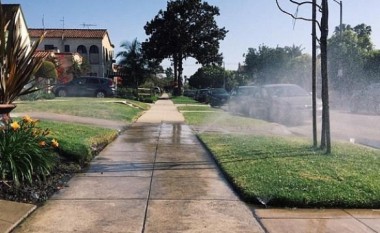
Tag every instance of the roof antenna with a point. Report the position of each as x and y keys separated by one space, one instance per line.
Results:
x=87 y=25
x=43 y=22
x=63 y=22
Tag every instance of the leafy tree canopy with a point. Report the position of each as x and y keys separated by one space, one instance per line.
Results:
x=187 y=28
x=47 y=70
x=137 y=67
x=212 y=76
x=352 y=60
x=276 y=65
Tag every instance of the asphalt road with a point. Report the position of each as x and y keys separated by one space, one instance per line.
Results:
x=357 y=128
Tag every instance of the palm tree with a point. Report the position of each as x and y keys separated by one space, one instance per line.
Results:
x=133 y=63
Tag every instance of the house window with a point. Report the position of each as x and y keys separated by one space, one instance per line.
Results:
x=67 y=48
x=94 y=54
x=82 y=51
x=49 y=47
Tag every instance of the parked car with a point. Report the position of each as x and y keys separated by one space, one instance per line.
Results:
x=283 y=103
x=86 y=86
x=366 y=100
x=217 y=97
x=239 y=99
x=201 y=95
x=189 y=93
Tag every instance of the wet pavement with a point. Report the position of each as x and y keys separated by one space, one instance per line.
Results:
x=157 y=177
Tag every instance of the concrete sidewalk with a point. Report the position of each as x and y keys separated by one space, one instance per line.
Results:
x=157 y=177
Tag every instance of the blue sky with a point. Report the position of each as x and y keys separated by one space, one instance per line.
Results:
x=250 y=22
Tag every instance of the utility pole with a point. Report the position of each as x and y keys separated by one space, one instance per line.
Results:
x=341 y=18
x=314 y=71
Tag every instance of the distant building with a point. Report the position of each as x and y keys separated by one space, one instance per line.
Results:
x=94 y=45
x=15 y=10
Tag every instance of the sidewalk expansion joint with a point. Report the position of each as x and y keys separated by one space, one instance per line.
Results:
x=151 y=181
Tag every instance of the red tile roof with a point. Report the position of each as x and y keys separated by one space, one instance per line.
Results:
x=68 y=33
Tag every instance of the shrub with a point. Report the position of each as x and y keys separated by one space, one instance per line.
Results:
x=127 y=93
x=26 y=151
x=40 y=94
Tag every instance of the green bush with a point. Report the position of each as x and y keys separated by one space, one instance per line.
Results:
x=148 y=99
x=26 y=151
x=126 y=93
x=38 y=95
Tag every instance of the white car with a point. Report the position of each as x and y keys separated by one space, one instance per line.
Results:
x=283 y=103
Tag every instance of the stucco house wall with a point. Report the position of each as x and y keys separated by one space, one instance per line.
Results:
x=94 y=45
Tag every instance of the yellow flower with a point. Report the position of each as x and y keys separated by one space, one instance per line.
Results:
x=15 y=126
x=27 y=119
x=54 y=143
x=42 y=143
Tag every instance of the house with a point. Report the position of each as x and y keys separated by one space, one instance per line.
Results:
x=14 y=10
x=94 y=45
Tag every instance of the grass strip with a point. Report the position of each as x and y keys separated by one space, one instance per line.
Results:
x=279 y=171
x=79 y=142
x=183 y=100
x=110 y=109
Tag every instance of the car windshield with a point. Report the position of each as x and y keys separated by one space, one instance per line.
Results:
x=286 y=91
x=245 y=91
x=219 y=91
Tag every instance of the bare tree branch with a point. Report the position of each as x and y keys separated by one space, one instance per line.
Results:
x=296 y=17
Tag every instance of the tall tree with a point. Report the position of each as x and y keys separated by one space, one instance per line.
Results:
x=280 y=64
x=324 y=29
x=135 y=64
x=211 y=77
x=349 y=53
x=186 y=29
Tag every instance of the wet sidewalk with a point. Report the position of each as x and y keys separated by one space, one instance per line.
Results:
x=157 y=177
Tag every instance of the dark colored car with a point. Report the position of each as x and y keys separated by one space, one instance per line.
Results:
x=86 y=86
x=217 y=97
x=201 y=95
x=239 y=99
x=283 y=103
x=189 y=93
x=366 y=100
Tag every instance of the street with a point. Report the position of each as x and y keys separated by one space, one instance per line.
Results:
x=346 y=126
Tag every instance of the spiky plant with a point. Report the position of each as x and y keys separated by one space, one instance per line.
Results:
x=18 y=62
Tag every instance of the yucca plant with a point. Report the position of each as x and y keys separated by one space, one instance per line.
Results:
x=18 y=62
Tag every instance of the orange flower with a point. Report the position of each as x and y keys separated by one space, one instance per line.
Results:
x=42 y=143
x=54 y=143
x=27 y=119
x=15 y=126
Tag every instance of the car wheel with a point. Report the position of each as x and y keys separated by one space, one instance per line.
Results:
x=62 y=93
x=100 y=94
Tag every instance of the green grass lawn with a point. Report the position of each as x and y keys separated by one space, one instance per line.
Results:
x=183 y=100
x=281 y=171
x=79 y=142
x=219 y=118
x=106 y=108
x=198 y=107
x=82 y=142
x=285 y=170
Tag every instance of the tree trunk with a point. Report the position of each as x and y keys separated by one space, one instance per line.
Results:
x=326 y=138
x=180 y=70
x=314 y=73
x=175 y=63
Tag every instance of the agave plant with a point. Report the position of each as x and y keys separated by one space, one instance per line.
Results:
x=18 y=62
